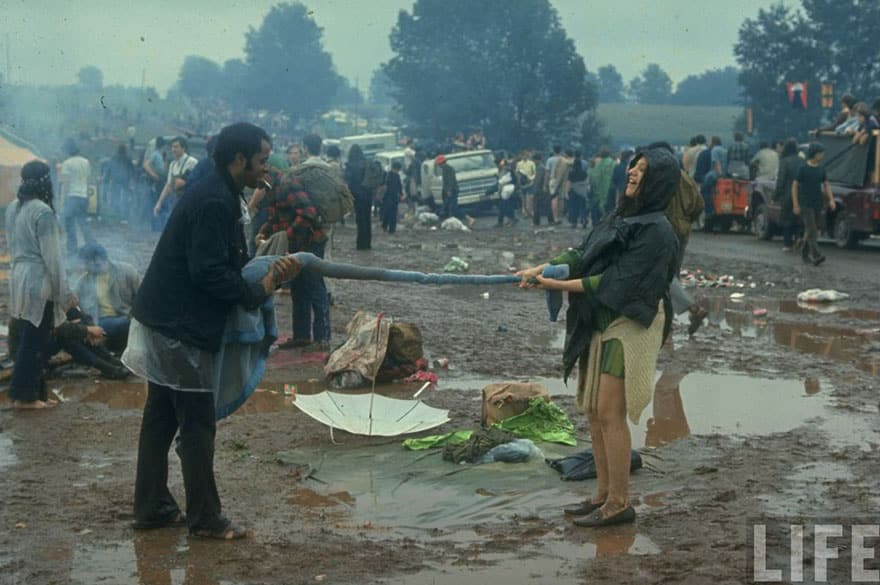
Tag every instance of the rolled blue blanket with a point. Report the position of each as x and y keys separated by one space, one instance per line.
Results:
x=554 y=297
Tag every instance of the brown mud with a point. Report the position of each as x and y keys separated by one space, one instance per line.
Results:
x=757 y=415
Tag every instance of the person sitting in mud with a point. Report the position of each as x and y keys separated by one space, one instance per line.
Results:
x=106 y=293
x=80 y=338
x=619 y=315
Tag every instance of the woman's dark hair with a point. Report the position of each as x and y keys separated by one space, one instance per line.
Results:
x=790 y=148
x=36 y=183
x=848 y=100
x=578 y=164
x=243 y=138
x=814 y=149
x=356 y=155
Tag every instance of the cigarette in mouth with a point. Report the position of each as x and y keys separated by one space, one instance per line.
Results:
x=266 y=184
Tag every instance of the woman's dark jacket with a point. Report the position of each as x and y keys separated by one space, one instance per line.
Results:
x=634 y=250
x=194 y=278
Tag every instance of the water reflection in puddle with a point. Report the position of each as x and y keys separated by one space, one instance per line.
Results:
x=7 y=452
x=849 y=344
x=151 y=558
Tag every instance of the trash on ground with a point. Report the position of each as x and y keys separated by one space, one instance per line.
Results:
x=485 y=296
x=817 y=295
x=737 y=296
x=516 y=451
x=506 y=399
x=454 y=224
x=759 y=312
x=371 y=414
x=456 y=264
x=428 y=218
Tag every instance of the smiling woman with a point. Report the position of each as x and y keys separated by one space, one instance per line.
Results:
x=617 y=320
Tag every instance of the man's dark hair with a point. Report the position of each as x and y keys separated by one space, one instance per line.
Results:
x=92 y=251
x=790 y=148
x=70 y=147
x=569 y=152
x=661 y=144
x=701 y=139
x=814 y=149
x=312 y=142
x=333 y=151
x=538 y=157
x=243 y=138
x=181 y=141
x=557 y=149
x=160 y=142
x=693 y=141
x=396 y=165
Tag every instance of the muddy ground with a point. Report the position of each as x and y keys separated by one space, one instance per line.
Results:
x=756 y=417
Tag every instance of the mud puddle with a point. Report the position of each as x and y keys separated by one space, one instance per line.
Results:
x=699 y=404
x=855 y=344
x=159 y=556
x=7 y=451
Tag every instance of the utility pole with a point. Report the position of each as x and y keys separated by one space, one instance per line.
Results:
x=356 y=90
x=8 y=61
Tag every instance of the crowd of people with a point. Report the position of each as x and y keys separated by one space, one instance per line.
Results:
x=241 y=201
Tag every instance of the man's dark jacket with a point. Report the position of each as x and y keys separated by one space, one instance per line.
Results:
x=194 y=278
x=635 y=251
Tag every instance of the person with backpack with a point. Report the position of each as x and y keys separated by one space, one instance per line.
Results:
x=308 y=201
x=355 y=171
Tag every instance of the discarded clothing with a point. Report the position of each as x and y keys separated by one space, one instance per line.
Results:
x=815 y=295
x=581 y=466
x=554 y=297
x=480 y=443
x=542 y=421
x=516 y=451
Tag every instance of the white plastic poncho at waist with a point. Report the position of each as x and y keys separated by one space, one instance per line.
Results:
x=167 y=362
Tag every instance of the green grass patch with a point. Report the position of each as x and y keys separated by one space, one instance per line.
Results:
x=634 y=124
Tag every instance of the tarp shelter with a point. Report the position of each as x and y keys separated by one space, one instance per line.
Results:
x=12 y=158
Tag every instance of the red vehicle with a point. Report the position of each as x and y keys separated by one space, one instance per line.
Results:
x=730 y=201
x=857 y=215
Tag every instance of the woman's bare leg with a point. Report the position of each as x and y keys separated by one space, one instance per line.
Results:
x=617 y=441
x=599 y=458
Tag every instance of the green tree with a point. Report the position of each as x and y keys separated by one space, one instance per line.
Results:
x=507 y=67
x=288 y=69
x=200 y=78
x=846 y=39
x=774 y=48
x=610 y=85
x=90 y=77
x=653 y=86
x=381 y=88
x=714 y=87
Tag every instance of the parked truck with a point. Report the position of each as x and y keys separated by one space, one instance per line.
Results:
x=856 y=193
x=475 y=171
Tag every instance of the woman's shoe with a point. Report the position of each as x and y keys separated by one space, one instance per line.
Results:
x=596 y=520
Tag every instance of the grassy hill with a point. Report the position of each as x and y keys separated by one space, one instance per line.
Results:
x=634 y=124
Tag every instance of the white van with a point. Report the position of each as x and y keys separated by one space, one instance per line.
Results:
x=475 y=171
x=369 y=143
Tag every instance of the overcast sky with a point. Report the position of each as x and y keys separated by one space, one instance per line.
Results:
x=50 y=40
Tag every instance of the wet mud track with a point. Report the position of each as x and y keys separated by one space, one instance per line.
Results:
x=769 y=415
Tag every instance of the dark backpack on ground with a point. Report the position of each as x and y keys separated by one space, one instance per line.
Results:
x=704 y=165
x=374 y=177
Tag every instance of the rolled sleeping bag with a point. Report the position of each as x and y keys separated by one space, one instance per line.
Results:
x=554 y=297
